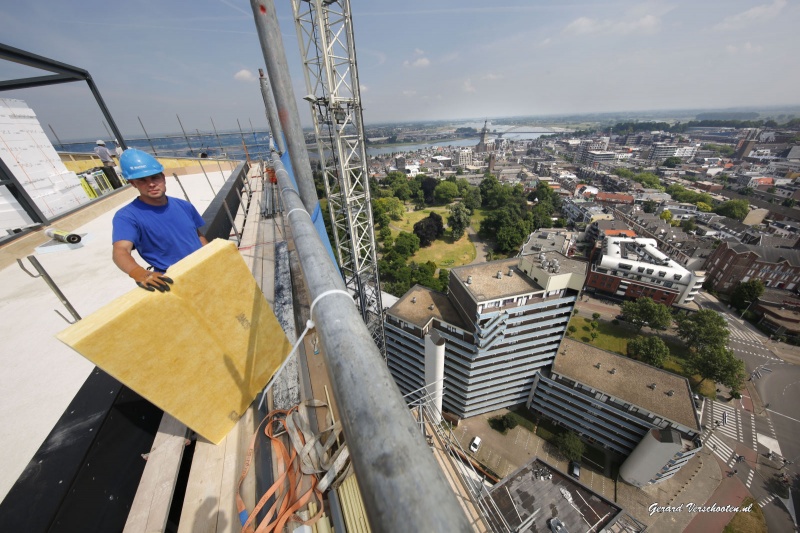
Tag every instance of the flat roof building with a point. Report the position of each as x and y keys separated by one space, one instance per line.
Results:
x=634 y=267
x=617 y=402
x=501 y=321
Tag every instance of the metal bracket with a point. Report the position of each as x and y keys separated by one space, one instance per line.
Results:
x=42 y=273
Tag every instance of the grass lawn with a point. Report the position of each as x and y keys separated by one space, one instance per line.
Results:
x=477 y=217
x=412 y=217
x=614 y=338
x=743 y=522
x=446 y=253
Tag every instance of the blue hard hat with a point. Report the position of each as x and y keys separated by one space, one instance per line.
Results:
x=136 y=164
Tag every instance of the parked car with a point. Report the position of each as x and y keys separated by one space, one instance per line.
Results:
x=697 y=401
x=475 y=444
x=557 y=526
x=575 y=469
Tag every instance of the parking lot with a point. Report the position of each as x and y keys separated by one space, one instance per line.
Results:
x=504 y=454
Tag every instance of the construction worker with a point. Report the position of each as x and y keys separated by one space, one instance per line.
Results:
x=161 y=228
x=106 y=156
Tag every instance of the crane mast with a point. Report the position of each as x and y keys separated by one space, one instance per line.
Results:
x=325 y=34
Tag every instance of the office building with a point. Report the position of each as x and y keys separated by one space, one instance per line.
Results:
x=631 y=408
x=501 y=321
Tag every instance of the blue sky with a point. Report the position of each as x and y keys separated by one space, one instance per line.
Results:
x=418 y=59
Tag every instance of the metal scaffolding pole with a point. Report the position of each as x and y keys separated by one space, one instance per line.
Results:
x=402 y=486
x=272 y=112
x=269 y=35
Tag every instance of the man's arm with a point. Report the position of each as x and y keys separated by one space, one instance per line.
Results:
x=122 y=257
x=151 y=281
x=203 y=239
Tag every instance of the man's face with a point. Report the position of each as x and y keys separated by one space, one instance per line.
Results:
x=152 y=187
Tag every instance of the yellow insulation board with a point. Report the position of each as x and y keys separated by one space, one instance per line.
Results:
x=200 y=352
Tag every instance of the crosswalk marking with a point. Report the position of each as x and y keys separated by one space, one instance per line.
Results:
x=733 y=427
x=766 y=500
x=720 y=449
x=745 y=335
x=749 y=479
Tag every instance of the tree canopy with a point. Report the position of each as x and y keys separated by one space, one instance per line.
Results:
x=570 y=445
x=746 y=292
x=445 y=192
x=429 y=229
x=672 y=162
x=458 y=220
x=406 y=244
x=718 y=364
x=650 y=350
x=703 y=328
x=645 y=312
x=735 y=209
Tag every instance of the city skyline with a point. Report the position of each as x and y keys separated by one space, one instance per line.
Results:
x=423 y=62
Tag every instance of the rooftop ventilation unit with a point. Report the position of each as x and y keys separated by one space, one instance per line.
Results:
x=430 y=307
x=499 y=274
x=670 y=392
x=414 y=300
x=510 y=272
x=613 y=370
x=652 y=386
x=469 y=280
x=598 y=365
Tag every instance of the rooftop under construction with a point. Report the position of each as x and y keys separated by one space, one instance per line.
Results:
x=157 y=474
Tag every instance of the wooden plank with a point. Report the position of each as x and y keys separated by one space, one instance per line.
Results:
x=201 y=511
x=235 y=454
x=150 y=507
x=210 y=502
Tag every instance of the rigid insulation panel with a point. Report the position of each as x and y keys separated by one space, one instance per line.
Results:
x=201 y=351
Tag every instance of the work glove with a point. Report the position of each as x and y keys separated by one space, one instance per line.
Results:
x=150 y=281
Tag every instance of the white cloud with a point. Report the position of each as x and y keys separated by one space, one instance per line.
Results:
x=467 y=86
x=754 y=14
x=646 y=24
x=491 y=77
x=244 y=75
x=419 y=52
x=409 y=93
x=546 y=42
x=363 y=88
x=420 y=62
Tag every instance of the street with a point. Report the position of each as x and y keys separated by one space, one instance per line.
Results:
x=763 y=428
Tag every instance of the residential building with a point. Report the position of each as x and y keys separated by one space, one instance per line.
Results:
x=597 y=158
x=549 y=240
x=580 y=211
x=463 y=158
x=638 y=411
x=634 y=267
x=659 y=151
x=613 y=198
x=501 y=322
x=733 y=262
x=780 y=312
x=600 y=229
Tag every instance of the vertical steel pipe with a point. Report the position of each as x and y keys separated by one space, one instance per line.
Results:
x=269 y=35
x=272 y=112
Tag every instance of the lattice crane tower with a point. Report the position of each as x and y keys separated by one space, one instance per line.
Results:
x=325 y=34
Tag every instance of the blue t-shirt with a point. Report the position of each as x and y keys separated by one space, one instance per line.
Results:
x=164 y=234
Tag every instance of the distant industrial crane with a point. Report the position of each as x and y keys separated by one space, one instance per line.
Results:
x=325 y=34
